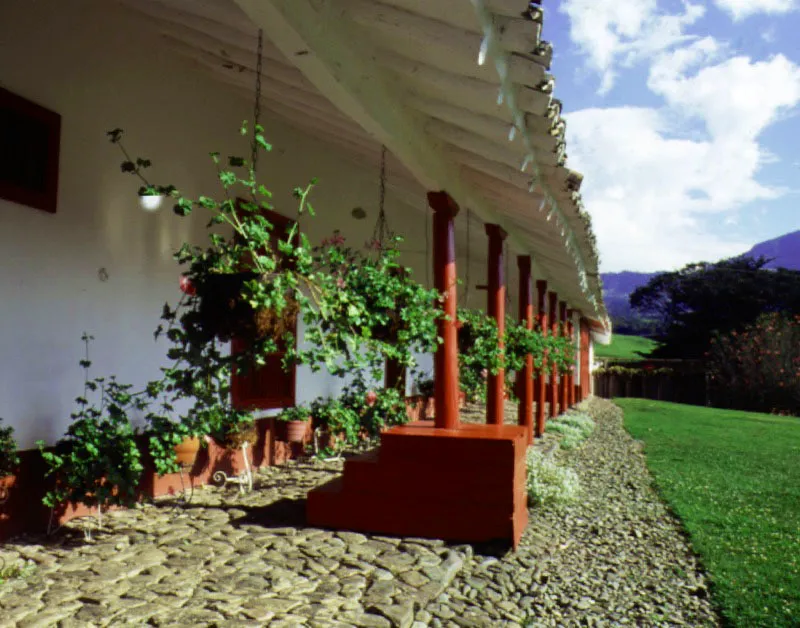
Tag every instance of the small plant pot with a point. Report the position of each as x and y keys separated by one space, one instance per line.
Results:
x=235 y=439
x=186 y=451
x=6 y=484
x=296 y=431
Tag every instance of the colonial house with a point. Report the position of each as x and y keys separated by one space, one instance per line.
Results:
x=476 y=181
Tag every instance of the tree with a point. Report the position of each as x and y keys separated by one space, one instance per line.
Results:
x=702 y=298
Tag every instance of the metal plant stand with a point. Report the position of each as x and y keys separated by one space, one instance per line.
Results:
x=243 y=479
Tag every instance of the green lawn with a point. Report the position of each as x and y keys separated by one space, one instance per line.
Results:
x=625 y=347
x=734 y=480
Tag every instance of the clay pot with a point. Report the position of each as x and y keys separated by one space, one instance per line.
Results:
x=296 y=431
x=186 y=451
x=6 y=484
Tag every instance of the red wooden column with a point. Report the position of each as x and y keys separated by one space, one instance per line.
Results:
x=540 y=388
x=552 y=310
x=563 y=383
x=571 y=375
x=444 y=274
x=525 y=376
x=496 y=308
x=586 y=384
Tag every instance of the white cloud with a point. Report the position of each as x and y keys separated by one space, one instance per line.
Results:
x=741 y=9
x=613 y=33
x=736 y=99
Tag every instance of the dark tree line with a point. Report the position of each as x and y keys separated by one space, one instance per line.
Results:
x=690 y=304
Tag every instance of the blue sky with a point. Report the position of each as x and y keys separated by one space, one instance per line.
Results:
x=684 y=117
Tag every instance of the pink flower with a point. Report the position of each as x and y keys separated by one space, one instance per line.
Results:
x=337 y=239
x=374 y=245
x=340 y=282
x=186 y=285
x=484 y=373
x=371 y=398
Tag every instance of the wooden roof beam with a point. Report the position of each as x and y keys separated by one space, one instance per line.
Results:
x=342 y=68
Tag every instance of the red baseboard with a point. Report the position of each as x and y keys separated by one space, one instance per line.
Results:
x=25 y=513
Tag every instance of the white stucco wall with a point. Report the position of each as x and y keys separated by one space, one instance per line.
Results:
x=83 y=60
x=100 y=69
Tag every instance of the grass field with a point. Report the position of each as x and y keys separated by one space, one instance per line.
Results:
x=734 y=480
x=625 y=347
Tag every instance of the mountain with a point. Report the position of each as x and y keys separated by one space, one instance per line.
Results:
x=617 y=287
x=785 y=250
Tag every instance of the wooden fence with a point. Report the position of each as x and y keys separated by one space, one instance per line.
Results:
x=679 y=381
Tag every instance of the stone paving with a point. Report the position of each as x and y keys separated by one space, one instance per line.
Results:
x=226 y=559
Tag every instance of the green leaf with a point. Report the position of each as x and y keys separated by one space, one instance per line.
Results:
x=263 y=143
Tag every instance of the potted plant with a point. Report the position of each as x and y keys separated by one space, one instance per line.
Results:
x=98 y=462
x=296 y=419
x=337 y=424
x=8 y=460
x=358 y=310
x=425 y=387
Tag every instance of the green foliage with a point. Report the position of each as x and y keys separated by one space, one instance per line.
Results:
x=338 y=418
x=548 y=483
x=733 y=479
x=561 y=351
x=628 y=372
x=574 y=426
x=757 y=368
x=426 y=387
x=694 y=302
x=520 y=341
x=375 y=407
x=626 y=348
x=295 y=413
x=8 y=451
x=480 y=355
x=250 y=281
x=478 y=352
x=97 y=462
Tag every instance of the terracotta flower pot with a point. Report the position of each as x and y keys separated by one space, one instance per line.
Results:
x=186 y=451
x=296 y=431
x=6 y=484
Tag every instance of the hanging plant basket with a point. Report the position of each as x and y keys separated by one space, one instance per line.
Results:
x=223 y=313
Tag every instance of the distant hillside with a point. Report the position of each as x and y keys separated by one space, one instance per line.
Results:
x=785 y=250
x=617 y=287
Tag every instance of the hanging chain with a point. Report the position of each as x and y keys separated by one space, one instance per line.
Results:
x=466 y=292
x=428 y=260
x=382 y=234
x=257 y=105
x=506 y=278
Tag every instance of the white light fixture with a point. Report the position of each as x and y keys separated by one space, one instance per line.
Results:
x=151 y=202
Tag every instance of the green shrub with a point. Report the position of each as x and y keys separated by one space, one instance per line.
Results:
x=575 y=427
x=758 y=367
x=8 y=451
x=547 y=483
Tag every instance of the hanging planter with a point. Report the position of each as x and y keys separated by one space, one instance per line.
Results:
x=223 y=313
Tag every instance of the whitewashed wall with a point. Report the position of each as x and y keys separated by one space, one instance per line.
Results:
x=90 y=62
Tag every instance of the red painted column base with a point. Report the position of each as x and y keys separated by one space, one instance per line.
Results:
x=432 y=483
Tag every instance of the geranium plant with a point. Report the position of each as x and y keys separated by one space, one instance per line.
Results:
x=97 y=462
x=358 y=308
